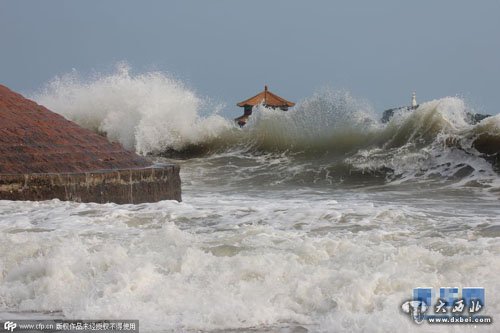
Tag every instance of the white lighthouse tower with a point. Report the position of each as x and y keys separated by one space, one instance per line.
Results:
x=414 y=100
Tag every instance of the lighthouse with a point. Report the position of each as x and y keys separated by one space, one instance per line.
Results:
x=414 y=100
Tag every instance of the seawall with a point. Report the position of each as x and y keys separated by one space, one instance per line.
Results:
x=118 y=186
x=45 y=156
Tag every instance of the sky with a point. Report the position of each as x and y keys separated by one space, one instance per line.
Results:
x=228 y=50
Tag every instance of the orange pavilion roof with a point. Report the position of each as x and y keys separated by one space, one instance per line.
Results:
x=268 y=99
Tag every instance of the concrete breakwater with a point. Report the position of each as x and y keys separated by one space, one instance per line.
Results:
x=45 y=156
x=118 y=186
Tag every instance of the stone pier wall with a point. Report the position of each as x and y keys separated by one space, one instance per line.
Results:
x=135 y=185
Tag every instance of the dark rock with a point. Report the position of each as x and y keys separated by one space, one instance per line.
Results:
x=388 y=114
x=474 y=118
x=489 y=146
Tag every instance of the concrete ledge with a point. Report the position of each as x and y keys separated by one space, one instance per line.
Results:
x=124 y=186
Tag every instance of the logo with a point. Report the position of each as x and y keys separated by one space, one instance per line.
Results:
x=416 y=309
x=449 y=307
x=9 y=326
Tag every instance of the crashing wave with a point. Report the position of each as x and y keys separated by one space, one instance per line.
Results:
x=339 y=134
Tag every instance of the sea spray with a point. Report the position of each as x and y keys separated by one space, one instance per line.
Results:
x=329 y=120
x=154 y=113
x=148 y=112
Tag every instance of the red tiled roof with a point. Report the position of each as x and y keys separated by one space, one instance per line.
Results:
x=268 y=99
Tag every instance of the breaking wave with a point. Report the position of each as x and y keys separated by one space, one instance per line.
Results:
x=154 y=113
x=329 y=134
x=146 y=112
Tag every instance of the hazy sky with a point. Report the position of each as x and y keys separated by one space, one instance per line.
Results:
x=228 y=49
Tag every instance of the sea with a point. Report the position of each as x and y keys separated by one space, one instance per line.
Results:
x=318 y=219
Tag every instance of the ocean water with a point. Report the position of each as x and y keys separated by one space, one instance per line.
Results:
x=320 y=219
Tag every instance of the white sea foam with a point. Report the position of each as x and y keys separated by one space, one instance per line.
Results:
x=341 y=262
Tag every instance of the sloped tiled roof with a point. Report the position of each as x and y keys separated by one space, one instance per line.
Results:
x=268 y=99
x=34 y=139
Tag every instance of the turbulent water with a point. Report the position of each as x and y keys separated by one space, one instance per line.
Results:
x=319 y=219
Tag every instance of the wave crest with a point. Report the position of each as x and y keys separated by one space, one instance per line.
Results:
x=148 y=112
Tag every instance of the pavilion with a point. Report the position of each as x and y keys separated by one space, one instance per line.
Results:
x=267 y=99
